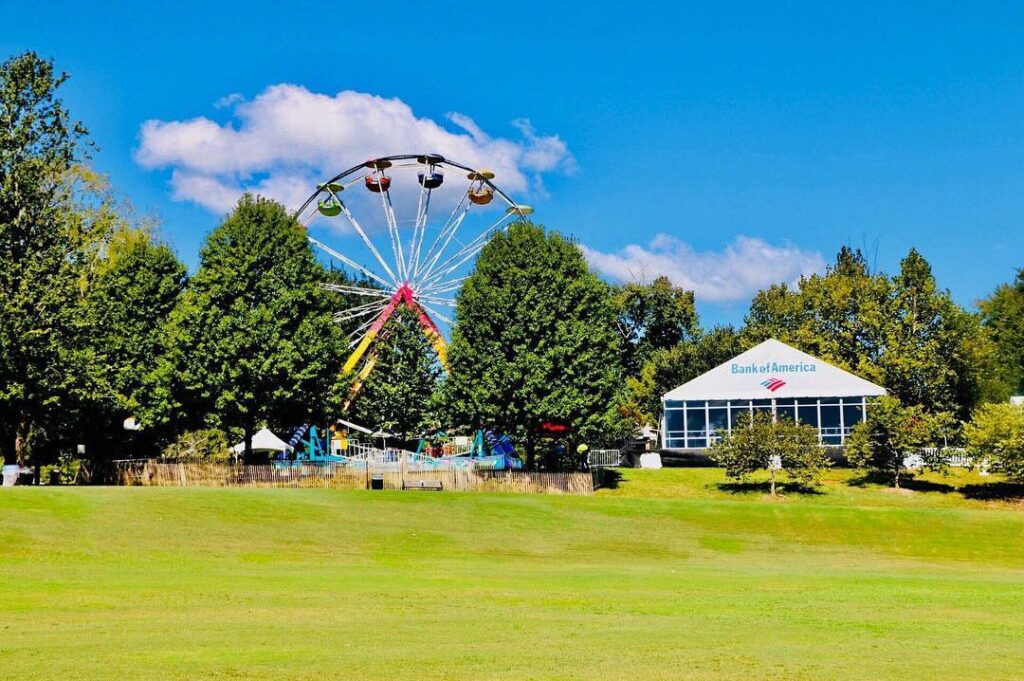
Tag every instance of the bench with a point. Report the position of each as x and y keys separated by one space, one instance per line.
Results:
x=433 y=485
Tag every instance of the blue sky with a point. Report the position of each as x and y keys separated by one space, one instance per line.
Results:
x=726 y=146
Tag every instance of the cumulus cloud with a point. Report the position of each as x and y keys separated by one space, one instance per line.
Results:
x=287 y=139
x=735 y=273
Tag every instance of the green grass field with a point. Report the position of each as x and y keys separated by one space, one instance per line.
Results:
x=665 y=577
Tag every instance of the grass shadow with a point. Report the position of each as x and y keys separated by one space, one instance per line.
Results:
x=994 y=491
x=870 y=478
x=918 y=485
x=908 y=481
x=607 y=478
x=766 y=488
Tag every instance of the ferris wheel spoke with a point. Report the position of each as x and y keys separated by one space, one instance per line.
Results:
x=396 y=240
x=436 y=300
x=420 y=229
x=468 y=254
x=465 y=253
x=437 y=314
x=358 y=309
x=357 y=335
x=350 y=262
x=358 y=290
x=353 y=313
x=428 y=267
x=445 y=286
x=455 y=219
x=420 y=202
x=366 y=240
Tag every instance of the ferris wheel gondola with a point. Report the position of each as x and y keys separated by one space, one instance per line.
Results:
x=420 y=263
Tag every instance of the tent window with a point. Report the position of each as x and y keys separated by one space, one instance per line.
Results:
x=831 y=428
x=808 y=414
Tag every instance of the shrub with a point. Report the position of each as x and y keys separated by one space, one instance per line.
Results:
x=996 y=435
x=210 y=445
x=760 y=443
x=892 y=432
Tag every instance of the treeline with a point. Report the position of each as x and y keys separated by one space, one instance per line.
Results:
x=99 y=321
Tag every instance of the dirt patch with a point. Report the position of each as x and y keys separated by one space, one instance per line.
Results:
x=903 y=491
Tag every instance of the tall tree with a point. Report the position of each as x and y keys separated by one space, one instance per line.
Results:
x=667 y=368
x=132 y=287
x=397 y=395
x=252 y=340
x=651 y=317
x=535 y=340
x=902 y=332
x=39 y=247
x=936 y=354
x=1003 y=315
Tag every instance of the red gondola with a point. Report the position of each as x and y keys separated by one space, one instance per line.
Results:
x=378 y=184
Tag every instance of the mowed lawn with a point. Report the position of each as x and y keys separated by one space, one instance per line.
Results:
x=665 y=577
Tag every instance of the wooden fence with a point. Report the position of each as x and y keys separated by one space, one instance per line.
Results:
x=458 y=479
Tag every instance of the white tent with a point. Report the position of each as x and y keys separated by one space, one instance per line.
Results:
x=263 y=441
x=774 y=369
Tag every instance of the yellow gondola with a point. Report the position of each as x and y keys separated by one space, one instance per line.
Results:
x=482 y=196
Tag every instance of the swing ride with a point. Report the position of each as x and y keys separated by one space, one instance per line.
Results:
x=422 y=264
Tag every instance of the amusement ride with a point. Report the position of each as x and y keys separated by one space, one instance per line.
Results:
x=422 y=261
x=416 y=259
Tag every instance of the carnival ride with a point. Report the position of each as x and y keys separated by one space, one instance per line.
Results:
x=313 y=447
x=419 y=276
x=421 y=266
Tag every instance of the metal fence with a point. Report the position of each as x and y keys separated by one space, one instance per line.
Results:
x=604 y=458
x=957 y=457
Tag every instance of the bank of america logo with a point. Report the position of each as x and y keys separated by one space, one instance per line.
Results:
x=773 y=384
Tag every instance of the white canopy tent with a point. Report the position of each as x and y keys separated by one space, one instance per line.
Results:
x=264 y=441
x=771 y=377
x=801 y=375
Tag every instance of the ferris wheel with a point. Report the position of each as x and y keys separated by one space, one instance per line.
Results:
x=405 y=254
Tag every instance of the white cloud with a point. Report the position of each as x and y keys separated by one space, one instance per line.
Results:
x=286 y=139
x=735 y=273
x=228 y=100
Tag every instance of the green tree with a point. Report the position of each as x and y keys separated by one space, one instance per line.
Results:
x=40 y=251
x=935 y=352
x=667 y=368
x=1003 y=315
x=252 y=340
x=132 y=288
x=837 y=316
x=535 y=341
x=891 y=433
x=397 y=395
x=996 y=435
x=902 y=332
x=760 y=443
x=652 y=317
